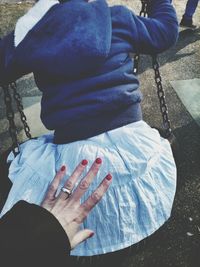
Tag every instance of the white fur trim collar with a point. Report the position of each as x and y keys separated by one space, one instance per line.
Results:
x=30 y=19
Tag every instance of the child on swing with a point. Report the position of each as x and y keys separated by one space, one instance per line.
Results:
x=79 y=54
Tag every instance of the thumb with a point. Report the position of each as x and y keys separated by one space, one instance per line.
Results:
x=81 y=236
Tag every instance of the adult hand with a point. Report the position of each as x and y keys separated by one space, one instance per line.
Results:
x=67 y=208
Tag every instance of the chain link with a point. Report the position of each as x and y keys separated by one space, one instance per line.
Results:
x=136 y=64
x=161 y=97
x=145 y=8
x=10 y=116
x=158 y=79
x=20 y=108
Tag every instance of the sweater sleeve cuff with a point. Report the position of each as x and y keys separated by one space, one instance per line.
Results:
x=43 y=231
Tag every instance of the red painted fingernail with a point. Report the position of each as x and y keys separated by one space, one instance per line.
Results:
x=63 y=168
x=84 y=162
x=91 y=235
x=98 y=161
x=109 y=177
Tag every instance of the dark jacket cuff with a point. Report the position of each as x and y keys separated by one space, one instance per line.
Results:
x=30 y=232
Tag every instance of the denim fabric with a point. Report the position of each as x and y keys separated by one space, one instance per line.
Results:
x=190 y=9
x=137 y=203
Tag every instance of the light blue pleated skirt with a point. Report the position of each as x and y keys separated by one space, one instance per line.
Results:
x=137 y=203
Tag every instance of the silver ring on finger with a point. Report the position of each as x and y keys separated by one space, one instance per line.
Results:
x=67 y=191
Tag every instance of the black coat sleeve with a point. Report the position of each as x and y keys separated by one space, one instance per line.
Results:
x=32 y=236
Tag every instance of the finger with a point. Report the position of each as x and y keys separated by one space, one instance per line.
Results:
x=70 y=183
x=86 y=181
x=95 y=197
x=55 y=183
x=80 y=237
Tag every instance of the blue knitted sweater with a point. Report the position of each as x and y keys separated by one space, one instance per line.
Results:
x=79 y=54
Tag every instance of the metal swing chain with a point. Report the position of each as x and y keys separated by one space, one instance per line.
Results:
x=158 y=79
x=145 y=8
x=10 y=116
x=161 y=97
x=20 y=108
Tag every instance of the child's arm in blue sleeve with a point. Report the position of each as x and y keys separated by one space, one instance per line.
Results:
x=157 y=32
